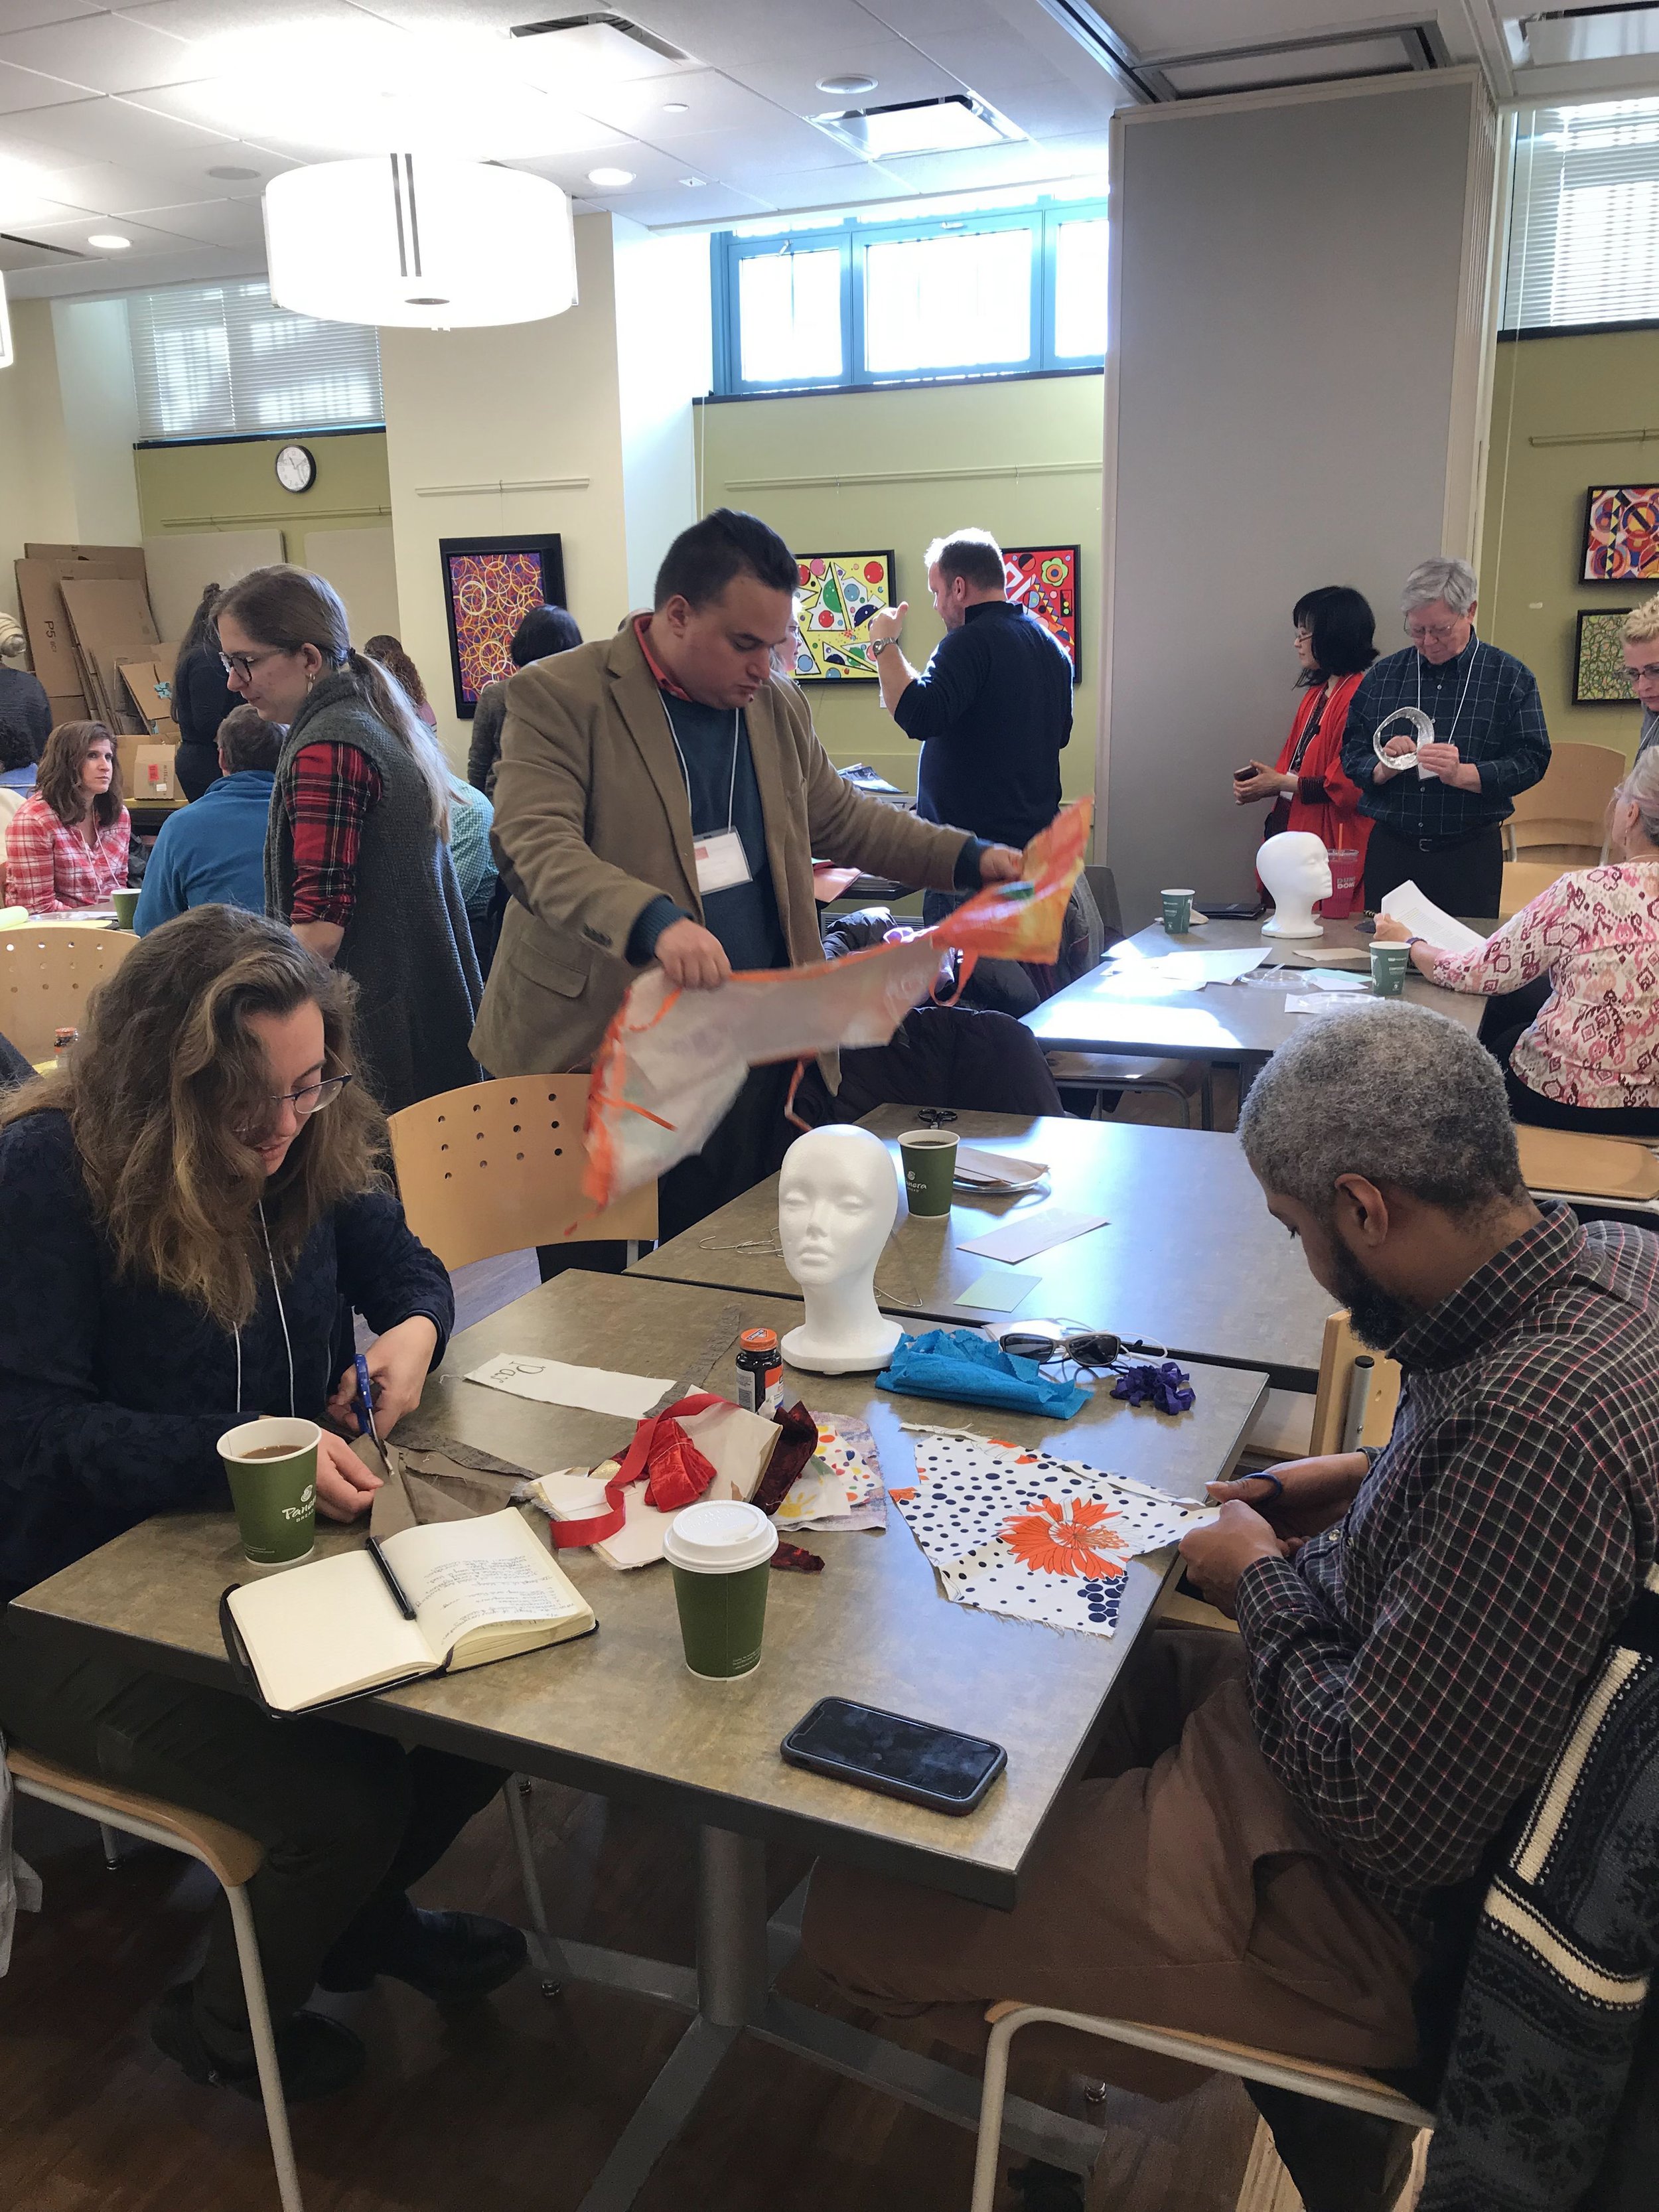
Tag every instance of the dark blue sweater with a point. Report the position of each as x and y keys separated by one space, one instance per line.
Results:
x=993 y=711
x=114 y=1394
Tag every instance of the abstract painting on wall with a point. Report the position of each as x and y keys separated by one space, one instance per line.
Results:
x=1599 y=677
x=837 y=595
x=491 y=584
x=1044 y=579
x=1621 y=534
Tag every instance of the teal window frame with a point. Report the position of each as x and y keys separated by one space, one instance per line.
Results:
x=850 y=240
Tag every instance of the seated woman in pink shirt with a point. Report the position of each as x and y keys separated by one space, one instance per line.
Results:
x=1588 y=1057
x=67 y=846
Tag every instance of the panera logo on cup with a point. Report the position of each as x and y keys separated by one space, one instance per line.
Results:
x=271 y=1467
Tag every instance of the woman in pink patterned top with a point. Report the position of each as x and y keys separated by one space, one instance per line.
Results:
x=67 y=846
x=1589 y=1058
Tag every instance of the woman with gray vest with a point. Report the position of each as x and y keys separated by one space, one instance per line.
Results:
x=356 y=857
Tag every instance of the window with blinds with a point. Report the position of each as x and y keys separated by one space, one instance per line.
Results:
x=219 y=360
x=1584 y=221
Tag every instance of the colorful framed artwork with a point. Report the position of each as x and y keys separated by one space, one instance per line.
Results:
x=1043 y=578
x=837 y=594
x=491 y=584
x=1621 y=534
x=1599 y=677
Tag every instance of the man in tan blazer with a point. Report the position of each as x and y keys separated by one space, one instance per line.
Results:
x=662 y=796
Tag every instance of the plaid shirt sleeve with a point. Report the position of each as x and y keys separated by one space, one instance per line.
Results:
x=1407 y=1747
x=1524 y=753
x=333 y=788
x=28 y=860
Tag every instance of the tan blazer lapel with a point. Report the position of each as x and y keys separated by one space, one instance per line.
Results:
x=639 y=707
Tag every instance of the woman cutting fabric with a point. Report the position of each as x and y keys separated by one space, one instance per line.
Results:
x=1576 y=1029
x=182 y=1211
x=1335 y=643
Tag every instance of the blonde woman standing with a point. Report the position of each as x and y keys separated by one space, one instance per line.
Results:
x=1587 y=1057
x=357 y=857
x=1641 y=639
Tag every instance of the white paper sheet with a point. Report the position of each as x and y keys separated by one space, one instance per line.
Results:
x=998 y=1293
x=1333 y=979
x=554 y=1383
x=1325 y=1002
x=1028 y=1234
x=1424 y=919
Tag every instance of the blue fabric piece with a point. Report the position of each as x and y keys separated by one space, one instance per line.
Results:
x=954 y=1363
x=211 y=852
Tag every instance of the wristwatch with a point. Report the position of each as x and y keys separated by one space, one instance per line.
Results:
x=879 y=645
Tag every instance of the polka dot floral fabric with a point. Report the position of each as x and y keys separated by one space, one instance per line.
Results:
x=1017 y=1532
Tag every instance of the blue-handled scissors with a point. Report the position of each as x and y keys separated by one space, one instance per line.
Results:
x=364 y=1402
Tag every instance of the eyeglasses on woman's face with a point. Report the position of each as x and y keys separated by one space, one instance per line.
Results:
x=243 y=664
x=310 y=1098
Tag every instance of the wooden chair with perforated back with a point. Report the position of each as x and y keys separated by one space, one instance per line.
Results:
x=1564 y=818
x=232 y=1858
x=1618 y=1172
x=46 y=976
x=1522 y=882
x=498 y=1166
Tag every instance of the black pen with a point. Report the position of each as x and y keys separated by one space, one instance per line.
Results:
x=400 y=1596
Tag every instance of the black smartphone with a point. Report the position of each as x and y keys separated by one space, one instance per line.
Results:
x=901 y=1757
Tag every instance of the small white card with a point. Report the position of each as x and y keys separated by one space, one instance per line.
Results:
x=722 y=863
x=1028 y=1234
x=554 y=1383
x=998 y=1293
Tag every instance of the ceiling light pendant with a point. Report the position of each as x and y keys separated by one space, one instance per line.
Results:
x=6 y=355
x=418 y=241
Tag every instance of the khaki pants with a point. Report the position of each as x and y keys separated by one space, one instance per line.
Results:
x=1178 y=1886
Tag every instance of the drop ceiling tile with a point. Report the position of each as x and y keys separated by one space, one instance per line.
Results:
x=717 y=205
x=104 y=52
x=985 y=168
x=22 y=210
x=22 y=89
x=25 y=14
x=780 y=150
x=900 y=73
x=182 y=264
x=213 y=19
x=115 y=191
x=145 y=237
x=1051 y=108
x=861 y=183
x=712 y=102
x=115 y=130
x=211 y=222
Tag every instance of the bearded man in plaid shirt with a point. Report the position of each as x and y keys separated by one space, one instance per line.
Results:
x=1258 y=1850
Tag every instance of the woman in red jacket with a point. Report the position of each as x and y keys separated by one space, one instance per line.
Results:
x=1336 y=642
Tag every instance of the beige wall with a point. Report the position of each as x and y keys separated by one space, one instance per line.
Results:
x=231 y=485
x=93 y=344
x=856 y=471
x=37 y=491
x=1299 y=279
x=1533 y=545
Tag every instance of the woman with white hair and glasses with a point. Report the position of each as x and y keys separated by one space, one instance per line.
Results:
x=1587 y=1057
x=1436 y=808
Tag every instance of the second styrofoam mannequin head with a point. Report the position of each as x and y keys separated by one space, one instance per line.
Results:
x=837 y=1202
x=1295 y=870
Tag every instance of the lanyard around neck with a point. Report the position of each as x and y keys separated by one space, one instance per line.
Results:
x=732 y=795
x=1469 y=676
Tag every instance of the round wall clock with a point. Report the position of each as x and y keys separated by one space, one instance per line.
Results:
x=296 y=468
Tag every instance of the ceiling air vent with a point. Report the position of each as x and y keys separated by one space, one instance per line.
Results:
x=600 y=39
x=1391 y=50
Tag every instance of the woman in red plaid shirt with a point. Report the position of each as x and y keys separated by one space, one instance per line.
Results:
x=67 y=846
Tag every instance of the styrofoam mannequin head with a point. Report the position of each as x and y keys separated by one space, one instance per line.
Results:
x=837 y=1202
x=1295 y=871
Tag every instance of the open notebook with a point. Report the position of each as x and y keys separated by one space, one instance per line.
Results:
x=482 y=1589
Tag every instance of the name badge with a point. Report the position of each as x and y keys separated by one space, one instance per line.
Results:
x=721 y=862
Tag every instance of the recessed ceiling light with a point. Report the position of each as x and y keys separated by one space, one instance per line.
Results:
x=109 y=242
x=676 y=107
x=233 y=176
x=949 y=125
x=611 y=180
x=846 y=88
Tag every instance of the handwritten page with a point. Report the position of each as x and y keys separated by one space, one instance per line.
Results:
x=555 y=1382
x=1424 y=919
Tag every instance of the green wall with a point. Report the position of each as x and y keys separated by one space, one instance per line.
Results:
x=233 y=486
x=1600 y=391
x=869 y=470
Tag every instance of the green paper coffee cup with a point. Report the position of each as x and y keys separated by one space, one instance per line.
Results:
x=1388 y=966
x=126 y=905
x=1177 y=912
x=272 y=1465
x=929 y=1157
x=720 y=1553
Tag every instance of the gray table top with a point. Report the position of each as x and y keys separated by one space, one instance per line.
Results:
x=1224 y=1021
x=1189 y=1257
x=618 y=1712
